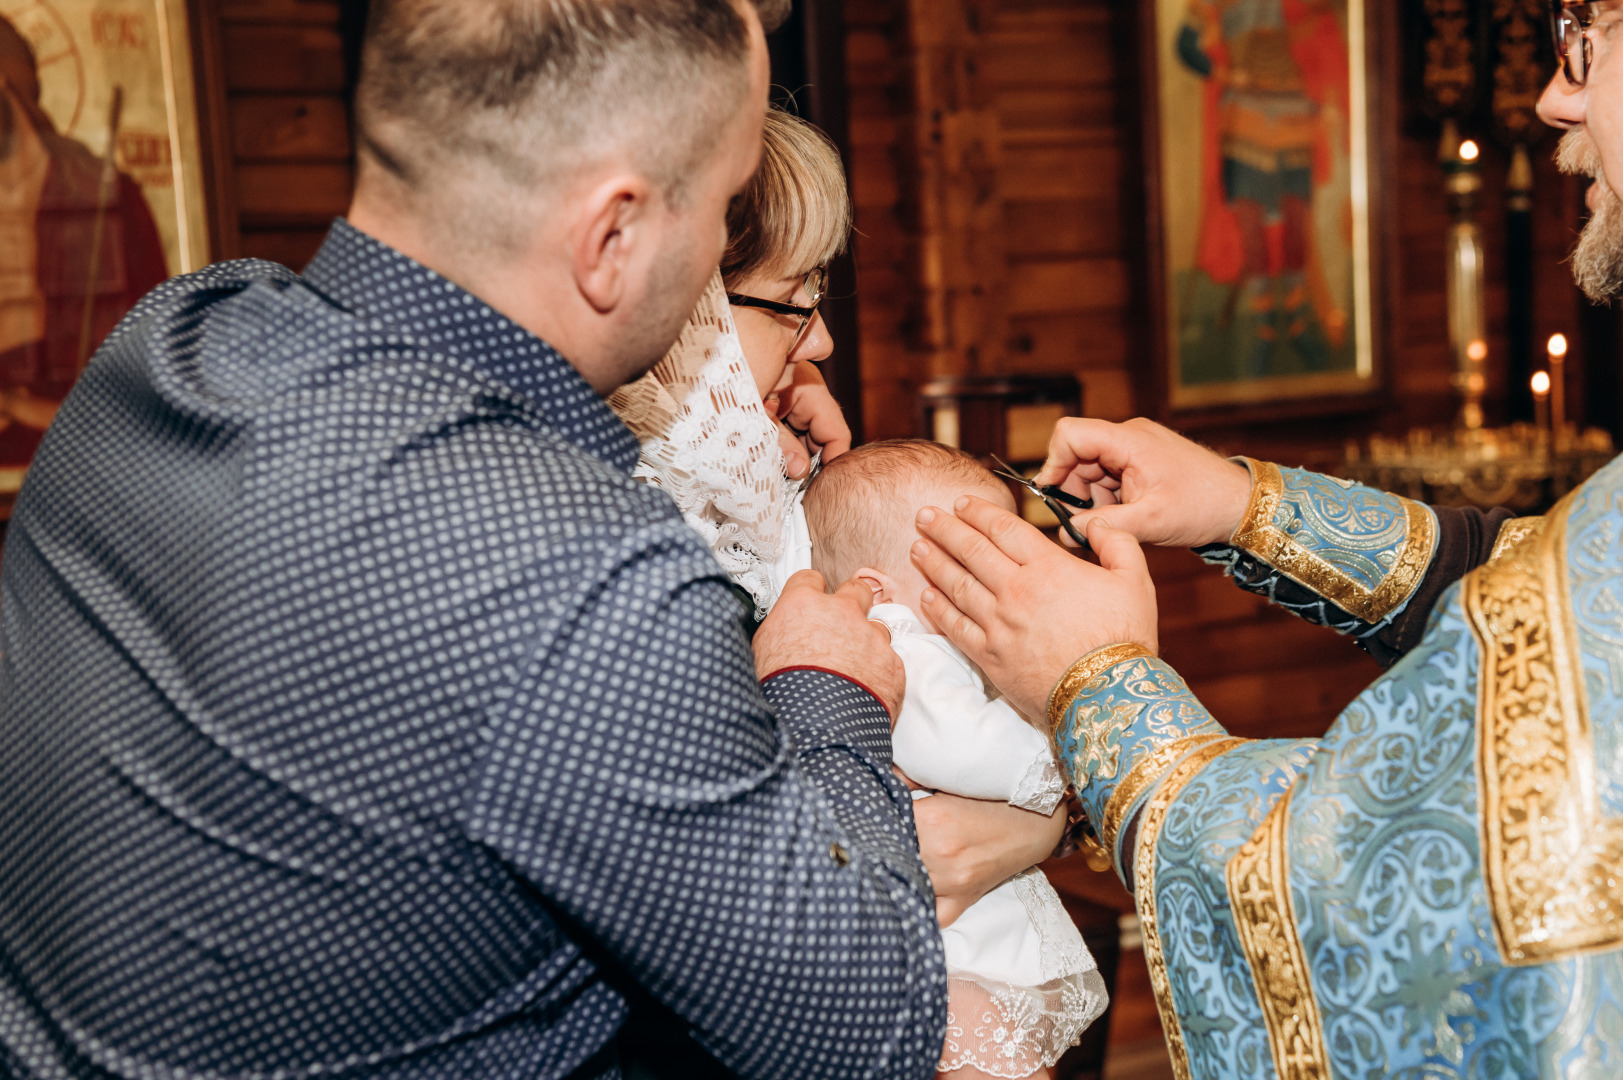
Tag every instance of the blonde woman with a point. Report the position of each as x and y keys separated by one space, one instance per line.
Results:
x=729 y=422
x=731 y=418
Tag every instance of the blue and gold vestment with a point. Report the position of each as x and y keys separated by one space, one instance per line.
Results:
x=1432 y=891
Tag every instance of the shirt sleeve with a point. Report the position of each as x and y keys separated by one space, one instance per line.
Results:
x=743 y=852
x=1361 y=561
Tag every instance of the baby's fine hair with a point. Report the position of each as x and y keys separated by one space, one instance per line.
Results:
x=851 y=507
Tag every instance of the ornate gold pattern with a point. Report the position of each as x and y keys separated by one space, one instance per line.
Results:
x=1264 y=916
x=1514 y=532
x=1450 y=75
x=1101 y=738
x=1084 y=671
x=1551 y=859
x=1259 y=535
x=1149 y=832
x=1518 y=71
x=1138 y=779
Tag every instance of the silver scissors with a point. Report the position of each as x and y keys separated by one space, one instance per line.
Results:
x=1060 y=503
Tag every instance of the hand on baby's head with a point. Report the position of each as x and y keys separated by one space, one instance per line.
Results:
x=860 y=511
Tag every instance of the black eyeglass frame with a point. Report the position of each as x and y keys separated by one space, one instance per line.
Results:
x=1569 y=21
x=815 y=284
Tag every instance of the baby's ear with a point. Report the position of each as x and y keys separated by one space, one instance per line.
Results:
x=884 y=589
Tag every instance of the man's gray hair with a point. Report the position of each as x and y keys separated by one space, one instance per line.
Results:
x=528 y=89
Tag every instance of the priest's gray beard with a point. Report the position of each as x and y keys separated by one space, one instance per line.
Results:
x=1597 y=261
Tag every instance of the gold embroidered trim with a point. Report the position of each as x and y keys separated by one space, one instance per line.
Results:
x=1550 y=856
x=1260 y=898
x=1149 y=833
x=1084 y=671
x=1258 y=535
x=1514 y=532
x=1138 y=779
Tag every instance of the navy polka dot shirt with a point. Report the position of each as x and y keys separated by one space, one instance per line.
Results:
x=362 y=717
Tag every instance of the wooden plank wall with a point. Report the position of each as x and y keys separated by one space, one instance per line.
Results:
x=1049 y=89
x=1052 y=86
x=995 y=169
x=289 y=130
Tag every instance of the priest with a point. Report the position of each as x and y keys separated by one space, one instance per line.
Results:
x=1435 y=888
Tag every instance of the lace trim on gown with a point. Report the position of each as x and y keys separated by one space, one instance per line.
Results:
x=708 y=441
x=1016 y=1030
x=1012 y=1031
x=1041 y=788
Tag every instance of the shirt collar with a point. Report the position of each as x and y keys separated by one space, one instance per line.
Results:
x=376 y=282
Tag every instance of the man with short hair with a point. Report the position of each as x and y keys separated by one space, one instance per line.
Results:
x=1432 y=889
x=362 y=715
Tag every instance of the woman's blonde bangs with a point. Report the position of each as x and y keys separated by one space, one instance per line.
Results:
x=795 y=213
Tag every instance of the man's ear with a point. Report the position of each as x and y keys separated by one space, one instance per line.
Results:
x=614 y=217
x=884 y=589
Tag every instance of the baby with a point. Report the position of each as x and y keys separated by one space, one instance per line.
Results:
x=1021 y=984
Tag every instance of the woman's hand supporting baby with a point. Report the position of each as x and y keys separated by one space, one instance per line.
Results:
x=809 y=627
x=809 y=420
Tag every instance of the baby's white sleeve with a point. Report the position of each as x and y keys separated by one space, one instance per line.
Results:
x=950 y=736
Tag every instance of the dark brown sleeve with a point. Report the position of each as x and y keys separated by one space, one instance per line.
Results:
x=1465 y=539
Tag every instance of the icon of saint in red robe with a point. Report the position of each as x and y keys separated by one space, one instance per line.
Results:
x=78 y=248
x=1275 y=106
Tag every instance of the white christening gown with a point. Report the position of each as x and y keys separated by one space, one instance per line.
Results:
x=1023 y=986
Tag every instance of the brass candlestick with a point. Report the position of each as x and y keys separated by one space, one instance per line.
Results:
x=1467 y=296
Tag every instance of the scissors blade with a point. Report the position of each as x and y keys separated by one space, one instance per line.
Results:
x=1059 y=503
x=1004 y=470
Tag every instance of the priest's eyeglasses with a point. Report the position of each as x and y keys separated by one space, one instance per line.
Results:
x=1570 y=23
x=814 y=286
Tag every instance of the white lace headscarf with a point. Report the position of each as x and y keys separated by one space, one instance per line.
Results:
x=708 y=440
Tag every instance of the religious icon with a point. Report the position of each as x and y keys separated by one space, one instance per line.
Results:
x=100 y=192
x=1264 y=199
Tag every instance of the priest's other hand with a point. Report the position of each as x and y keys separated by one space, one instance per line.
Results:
x=1021 y=607
x=1148 y=480
x=809 y=627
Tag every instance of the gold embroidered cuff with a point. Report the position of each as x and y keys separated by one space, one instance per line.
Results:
x=1258 y=535
x=1138 y=780
x=1084 y=671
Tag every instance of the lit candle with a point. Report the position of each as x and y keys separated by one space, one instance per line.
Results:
x=1469 y=151
x=1558 y=383
x=1541 y=399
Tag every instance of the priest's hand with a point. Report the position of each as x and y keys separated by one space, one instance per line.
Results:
x=971 y=846
x=1148 y=480
x=1023 y=608
x=809 y=627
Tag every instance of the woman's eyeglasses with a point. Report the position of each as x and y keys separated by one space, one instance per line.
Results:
x=814 y=285
x=1571 y=23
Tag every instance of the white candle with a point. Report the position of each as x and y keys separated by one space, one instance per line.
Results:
x=1541 y=399
x=1558 y=382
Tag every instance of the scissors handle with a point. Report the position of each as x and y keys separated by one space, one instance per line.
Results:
x=1059 y=494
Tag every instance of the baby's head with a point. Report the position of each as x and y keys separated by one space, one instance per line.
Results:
x=861 y=507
